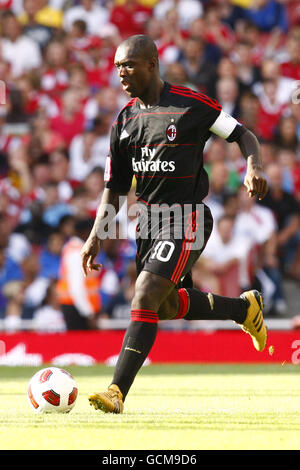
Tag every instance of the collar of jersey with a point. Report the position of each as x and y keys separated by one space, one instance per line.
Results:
x=162 y=95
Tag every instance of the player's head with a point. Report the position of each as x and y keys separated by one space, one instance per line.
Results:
x=136 y=59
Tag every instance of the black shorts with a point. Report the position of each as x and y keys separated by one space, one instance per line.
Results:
x=170 y=255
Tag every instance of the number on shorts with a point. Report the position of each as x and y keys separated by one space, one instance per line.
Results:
x=160 y=247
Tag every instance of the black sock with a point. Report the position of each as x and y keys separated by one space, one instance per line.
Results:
x=137 y=343
x=206 y=306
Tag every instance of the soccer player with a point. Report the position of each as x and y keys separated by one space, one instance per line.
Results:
x=159 y=137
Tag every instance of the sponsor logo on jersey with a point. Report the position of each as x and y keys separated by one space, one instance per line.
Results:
x=171 y=132
x=152 y=165
x=148 y=152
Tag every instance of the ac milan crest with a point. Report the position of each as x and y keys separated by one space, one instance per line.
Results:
x=171 y=132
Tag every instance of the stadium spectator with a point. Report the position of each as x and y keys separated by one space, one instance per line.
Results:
x=43 y=139
x=66 y=227
x=19 y=164
x=21 y=52
x=40 y=21
x=50 y=254
x=40 y=176
x=197 y=29
x=104 y=102
x=154 y=29
x=268 y=14
x=130 y=17
x=70 y=121
x=286 y=134
x=287 y=213
x=43 y=214
x=48 y=317
x=101 y=126
x=249 y=110
x=258 y=225
x=283 y=86
x=222 y=258
x=78 y=41
x=188 y=10
x=94 y=185
x=17 y=245
x=34 y=286
x=291 y=67
x=79 y=297
x=33 y=99
x=78 y=203
x=117 y=252
x=200 y=71
x=54 y=76
x=11 y=275
x=247 y=73
x=290 y=172
x=171 y=38
x=53 y=207
x=226 y=68
x=119 y=306
x=78 y=81
x=227 y=94
x=176 y=74
x=41 y=12
x=83 y=155
x=232 y=13
x=293 y=12
x=294 y=110
x=236 y=165
x=94 y=15
x=218 y=32
x=99 y=64
x=219 y=183
x=59 y=167
x=263 y=45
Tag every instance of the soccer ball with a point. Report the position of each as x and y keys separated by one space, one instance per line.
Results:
x=52 y=390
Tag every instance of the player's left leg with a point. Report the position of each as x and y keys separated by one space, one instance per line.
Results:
x=192 y=304
x=151 y=289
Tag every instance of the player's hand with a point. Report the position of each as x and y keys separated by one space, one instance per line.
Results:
x=255 y=183
x=88 y=254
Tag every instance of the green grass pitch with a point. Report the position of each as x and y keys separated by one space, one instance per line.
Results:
x=169 y=407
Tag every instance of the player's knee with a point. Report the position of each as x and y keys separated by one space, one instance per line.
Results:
x=169 y=307
x=150 y=291
x=143 y=299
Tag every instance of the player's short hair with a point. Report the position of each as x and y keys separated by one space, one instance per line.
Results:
x=141 y=45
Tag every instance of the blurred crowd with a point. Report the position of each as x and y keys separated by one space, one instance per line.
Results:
x=59 y=93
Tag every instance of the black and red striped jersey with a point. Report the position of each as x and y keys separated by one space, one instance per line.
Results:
x=162 y=147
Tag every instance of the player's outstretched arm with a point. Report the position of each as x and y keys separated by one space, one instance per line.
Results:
x=108 y=208
x=254 y=180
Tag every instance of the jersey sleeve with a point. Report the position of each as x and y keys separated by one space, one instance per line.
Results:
x=227 y=127
x=118 y=172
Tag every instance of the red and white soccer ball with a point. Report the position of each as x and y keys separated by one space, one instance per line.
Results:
x=52 y=390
